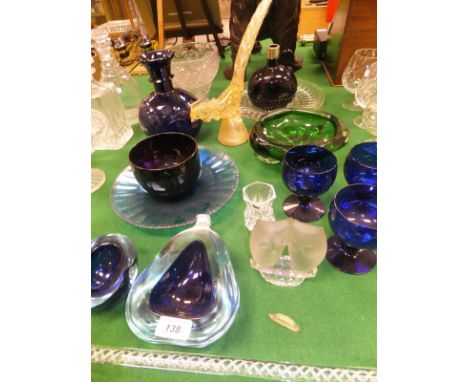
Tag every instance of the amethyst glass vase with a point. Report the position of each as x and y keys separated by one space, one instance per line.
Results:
x=273 y=86
x=190 y=283
x=167 y=108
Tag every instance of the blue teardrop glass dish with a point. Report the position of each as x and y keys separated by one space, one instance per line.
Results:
x=113 y=268
x=361 y=164
x=191 y=280
x=186 y=289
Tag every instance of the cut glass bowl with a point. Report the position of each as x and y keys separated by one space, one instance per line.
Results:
x=194 y=67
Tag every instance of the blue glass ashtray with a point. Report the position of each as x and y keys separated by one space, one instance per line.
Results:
x=188 y=296
x=113 y=268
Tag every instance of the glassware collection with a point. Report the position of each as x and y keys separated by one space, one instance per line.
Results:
x=127 y=87
x=108 y=117
x=357 y=70
x=188 y=295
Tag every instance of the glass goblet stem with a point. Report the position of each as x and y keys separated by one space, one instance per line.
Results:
x=304 y=209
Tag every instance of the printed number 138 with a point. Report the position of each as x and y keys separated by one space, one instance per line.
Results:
x=170 y=328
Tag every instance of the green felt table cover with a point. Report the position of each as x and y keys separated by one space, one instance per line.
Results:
x=336 y=311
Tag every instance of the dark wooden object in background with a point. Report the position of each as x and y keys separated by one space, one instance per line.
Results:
x=354 y=27
x=188 y=18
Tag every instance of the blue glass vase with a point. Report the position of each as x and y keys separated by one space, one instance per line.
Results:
x=113 y=268
x=308 y=171
x=353 y=219
x=167 y=108
x=361 y=164
x=188 y=296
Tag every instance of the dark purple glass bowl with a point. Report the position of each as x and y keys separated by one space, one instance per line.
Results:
x=166 y=165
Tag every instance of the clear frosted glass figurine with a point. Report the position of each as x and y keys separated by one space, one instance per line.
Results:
x=188 y=295
x=108 y=116
x=307 y=247
x=258 y=197
x=127 y=87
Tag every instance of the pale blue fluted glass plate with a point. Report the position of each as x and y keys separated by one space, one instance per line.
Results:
x=218 y=182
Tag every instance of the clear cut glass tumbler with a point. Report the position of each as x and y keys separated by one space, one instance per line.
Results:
x=258 y=197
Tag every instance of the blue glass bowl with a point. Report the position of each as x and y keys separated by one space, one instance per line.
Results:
x=113 y=268
x=308 y=171
x=361 y=164
x=353 y=219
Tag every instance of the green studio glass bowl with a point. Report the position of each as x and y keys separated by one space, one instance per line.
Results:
x=275 y=133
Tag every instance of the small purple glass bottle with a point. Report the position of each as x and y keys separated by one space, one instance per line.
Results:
x=167 y=108
x=273 y=86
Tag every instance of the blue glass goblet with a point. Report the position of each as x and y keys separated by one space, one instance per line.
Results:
x=353 y=219
x=361 y=164
x=308 y=171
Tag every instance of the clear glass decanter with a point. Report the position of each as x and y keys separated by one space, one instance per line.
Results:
x=127 y=87
x=108 y=116
x=188 y=295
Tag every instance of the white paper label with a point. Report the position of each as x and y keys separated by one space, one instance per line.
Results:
x=174 y=328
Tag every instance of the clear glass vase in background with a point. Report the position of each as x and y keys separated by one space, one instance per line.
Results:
x=127 y=87
x=194 y=67
x=108 y=116
x=357 y=69
x=366 y=97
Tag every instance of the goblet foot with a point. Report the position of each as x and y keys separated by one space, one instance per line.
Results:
x=351 y=105
x=98 y=177
x=304 y=210
x=350 y=260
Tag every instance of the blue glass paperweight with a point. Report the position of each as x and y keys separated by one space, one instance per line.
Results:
x=353 y=219
x=361 y=164
x=113 y=268
x=188 y=296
